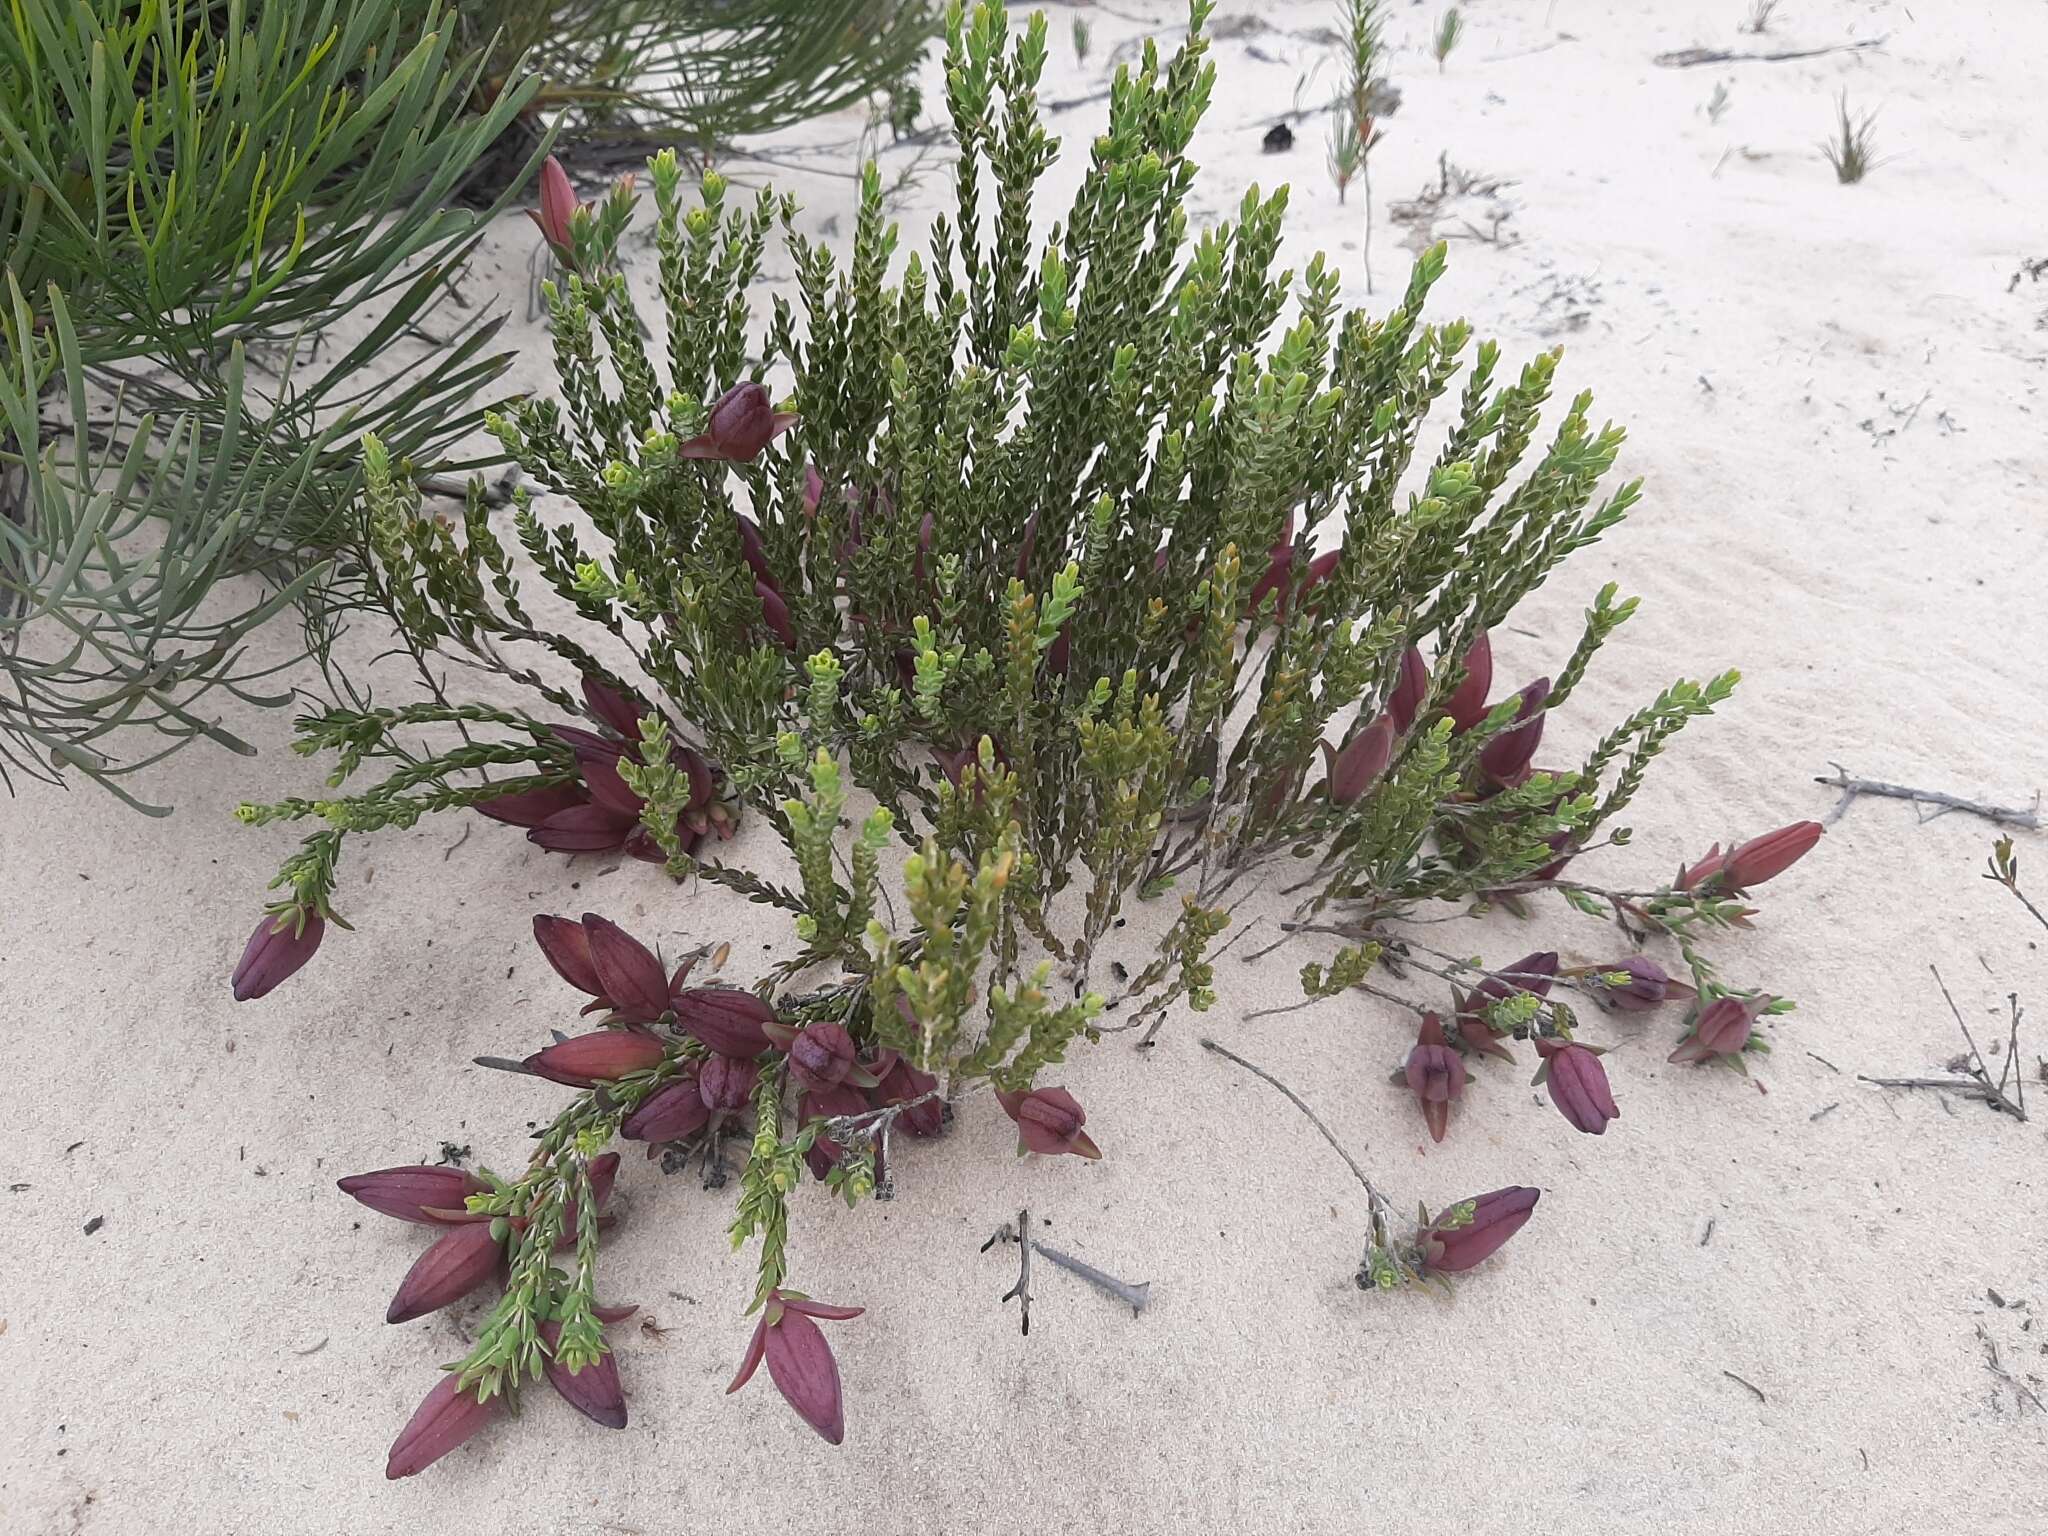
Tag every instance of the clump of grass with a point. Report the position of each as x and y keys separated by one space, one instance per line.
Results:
x=1081 y=40
x=1849 y=149
x=1760 y=16
x=1448 y=32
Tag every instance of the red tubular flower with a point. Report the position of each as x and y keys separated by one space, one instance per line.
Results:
x=726 y=1083
x=532 y=807
x=1701 y=872
x=1505 y=759
x=1721 y=1029
x=583 y=829
x=742 y=423
x=1409 y=691
x=425 y=1195
x=1467 y=704
x=628 y=970
x=775 y=614
x=1435 y=1075
x=603 y=1056
x=444 y=1419
x=618 y=709
x=822 y=1056
x=675 y=1111
x=899 y=1083
x=1364 y=758
x=595 y=1391
x=1532 y=974
x=1578 y=1084
x=799 y=1360
x=1473 y=1230
x=557 y=205
x=282 y=943
x=1279 y=567
x=825 y=1153
x=726 y=1019
x=1761 y=858
x=448 y=1271
x=1646 y=987
x=1048 y=1120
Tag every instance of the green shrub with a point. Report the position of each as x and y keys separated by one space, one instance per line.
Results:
x=1023 y=579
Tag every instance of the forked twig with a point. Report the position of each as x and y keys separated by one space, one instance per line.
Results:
x=2004 y=815
x=1978 y=1084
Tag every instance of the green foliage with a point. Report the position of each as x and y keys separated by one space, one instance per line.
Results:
x=188 y=192
x=1034 y=580
x=1450 y=28
x=1048 y=522
x=701 y=73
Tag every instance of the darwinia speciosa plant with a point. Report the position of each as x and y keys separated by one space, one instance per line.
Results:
x=1064 y=573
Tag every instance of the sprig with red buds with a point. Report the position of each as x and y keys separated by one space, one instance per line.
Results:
x=583 y=236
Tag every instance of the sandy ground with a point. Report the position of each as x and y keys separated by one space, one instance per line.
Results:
x=1836 y=398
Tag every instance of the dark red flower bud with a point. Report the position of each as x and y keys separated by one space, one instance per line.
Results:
x=1363 y=759
x=775 y=614
x=448 y=1271
x=622 y=711
x=1435 y=1075
x=1646 y=987
x=532 y=807
x=1467 y=704
x=1409 y=691
x=726 y=1019
x=754 y=551
x=566 y=944
x=1319 y=570
x=594 y=1391
x=444 y=1419
x=800 y=1362
x=742 y=423
x=1048 y=1120
x=1279 y=567
x=1474 y=1230
x=557 y=205
x=821 y=1055
x=604 y=1056
x=1505 y=759
x=1721 y=1028
x=1578 y=1084
x=727 y=1083
x=281 y=944
x=825 y=1153
x=673 y=1112
x=425 y=1195
x=583 y=829
x=1761 y=858
x=631 y=975
x=900 y=1083
x=599 y=768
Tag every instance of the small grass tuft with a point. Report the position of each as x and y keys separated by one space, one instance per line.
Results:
x=1849 y=149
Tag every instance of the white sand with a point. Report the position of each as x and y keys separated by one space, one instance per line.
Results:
x=1837 y=404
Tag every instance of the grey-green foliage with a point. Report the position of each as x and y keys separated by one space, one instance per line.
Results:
x=701 y=73
x=189 y=192
x=1049 y=518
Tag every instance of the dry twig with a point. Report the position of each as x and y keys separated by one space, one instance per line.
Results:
x=1978 y=1084
x=2004 y=815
